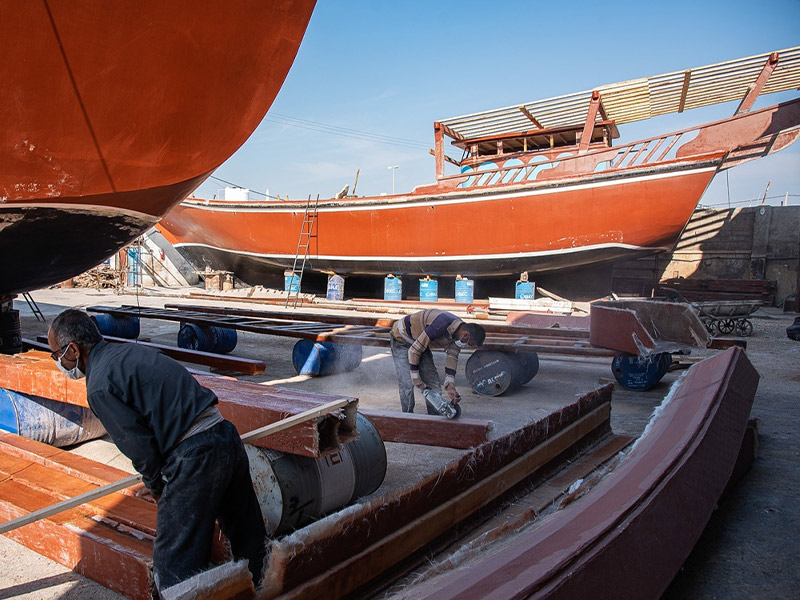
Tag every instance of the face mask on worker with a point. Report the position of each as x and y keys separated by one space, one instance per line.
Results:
x=74 y=372
x=461 y=344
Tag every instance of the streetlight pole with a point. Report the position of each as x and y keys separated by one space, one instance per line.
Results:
x=393 y=169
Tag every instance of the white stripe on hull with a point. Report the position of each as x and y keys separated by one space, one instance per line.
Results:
x=488 y=193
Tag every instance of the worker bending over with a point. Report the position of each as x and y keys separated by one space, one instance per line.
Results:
x=191 y=459
x=411 y=340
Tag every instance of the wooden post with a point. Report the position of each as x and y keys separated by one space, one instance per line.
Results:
x=588 y=128
x=438 y=133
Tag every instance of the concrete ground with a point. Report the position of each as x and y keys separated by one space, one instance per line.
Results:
x=747 y=550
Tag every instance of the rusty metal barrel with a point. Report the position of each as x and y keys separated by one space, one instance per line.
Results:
x=294 y=490
x=492 y=372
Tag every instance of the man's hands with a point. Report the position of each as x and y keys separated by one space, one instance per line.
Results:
x=452 y=393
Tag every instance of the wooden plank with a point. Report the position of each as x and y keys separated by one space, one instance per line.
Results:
x=429 y=430
x=247 y=405
x=246 y=366
x=127 y=482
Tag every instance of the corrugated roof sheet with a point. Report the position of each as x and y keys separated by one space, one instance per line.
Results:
x=640 y=99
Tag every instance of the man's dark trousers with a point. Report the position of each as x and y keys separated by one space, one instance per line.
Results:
x=208 y=479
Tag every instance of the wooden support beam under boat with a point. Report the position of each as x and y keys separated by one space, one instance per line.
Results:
x=602 y=545
x=755 y=88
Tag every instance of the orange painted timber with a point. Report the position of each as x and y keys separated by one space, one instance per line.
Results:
x=104 y=542
x=127 y=121
x=248 y=406
x=108 y=539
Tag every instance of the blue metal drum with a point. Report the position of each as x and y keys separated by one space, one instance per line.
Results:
x=117 y=325
x=392 y=288
x=465 y=290
x=640 y=373
x=324 y=358
x=428 y=290
x=219 y=340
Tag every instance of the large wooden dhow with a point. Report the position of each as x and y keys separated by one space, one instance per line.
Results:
x=539 y=186
x=112 y=112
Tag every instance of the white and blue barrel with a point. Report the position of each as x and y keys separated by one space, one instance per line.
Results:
x=324 y=358
x=524 y=290
x=295 y=490
x=392 y=288
x=219 y=340
x=428 y=290
x=492 y=372
x=335 y=290
x=121 y=326
x=465 y=290
x=291 y=282
x=47 y=421
x=640 y=373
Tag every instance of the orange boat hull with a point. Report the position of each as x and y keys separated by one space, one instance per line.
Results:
x=110 y=113
x=498 y=232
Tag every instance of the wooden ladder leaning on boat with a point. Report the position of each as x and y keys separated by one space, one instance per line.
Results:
x=303 y=243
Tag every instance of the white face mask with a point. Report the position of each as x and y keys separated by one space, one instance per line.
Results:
x=73 y=373
x=461 y=344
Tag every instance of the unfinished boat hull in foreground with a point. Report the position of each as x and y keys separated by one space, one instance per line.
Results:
x=111 y=113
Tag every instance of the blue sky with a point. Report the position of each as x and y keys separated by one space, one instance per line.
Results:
x=392 y=68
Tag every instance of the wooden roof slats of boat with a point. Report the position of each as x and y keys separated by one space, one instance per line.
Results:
x=642 y=98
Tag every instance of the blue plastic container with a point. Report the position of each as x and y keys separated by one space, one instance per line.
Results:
x=640 y=373
x=428 y=290
x=219 y=340
x=324 y=358
x=465 y=290
x=291 y=282
x=335 y=288
x=524 y=290
x=117 y=325
x=392 y=288
x=47 y=421
x=134 y=267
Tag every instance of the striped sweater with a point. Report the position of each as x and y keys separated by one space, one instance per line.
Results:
x=429 y=328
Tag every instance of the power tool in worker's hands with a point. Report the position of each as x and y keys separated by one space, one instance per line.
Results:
x=433 y=397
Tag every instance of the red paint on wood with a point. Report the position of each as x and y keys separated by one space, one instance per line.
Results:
x=602 y=546
x=247 y=405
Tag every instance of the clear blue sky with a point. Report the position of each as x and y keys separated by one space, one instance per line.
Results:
x=392 y=68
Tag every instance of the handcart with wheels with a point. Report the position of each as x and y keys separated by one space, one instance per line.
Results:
x=725 y=317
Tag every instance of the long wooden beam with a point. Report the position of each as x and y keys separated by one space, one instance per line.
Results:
x=247 y=406
x=245 y=366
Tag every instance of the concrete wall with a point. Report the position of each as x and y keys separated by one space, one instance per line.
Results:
x=760 y=242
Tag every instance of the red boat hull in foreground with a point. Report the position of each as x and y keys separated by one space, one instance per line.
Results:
x=112 y=112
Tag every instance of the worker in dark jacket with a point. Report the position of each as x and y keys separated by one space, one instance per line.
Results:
x=190 y=458
x=411 y=340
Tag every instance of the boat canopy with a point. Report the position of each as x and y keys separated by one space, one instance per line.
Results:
x=637 y=99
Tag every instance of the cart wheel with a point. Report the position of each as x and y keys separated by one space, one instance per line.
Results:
x=726 y=326
x=709 y=325
x=744 y=327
